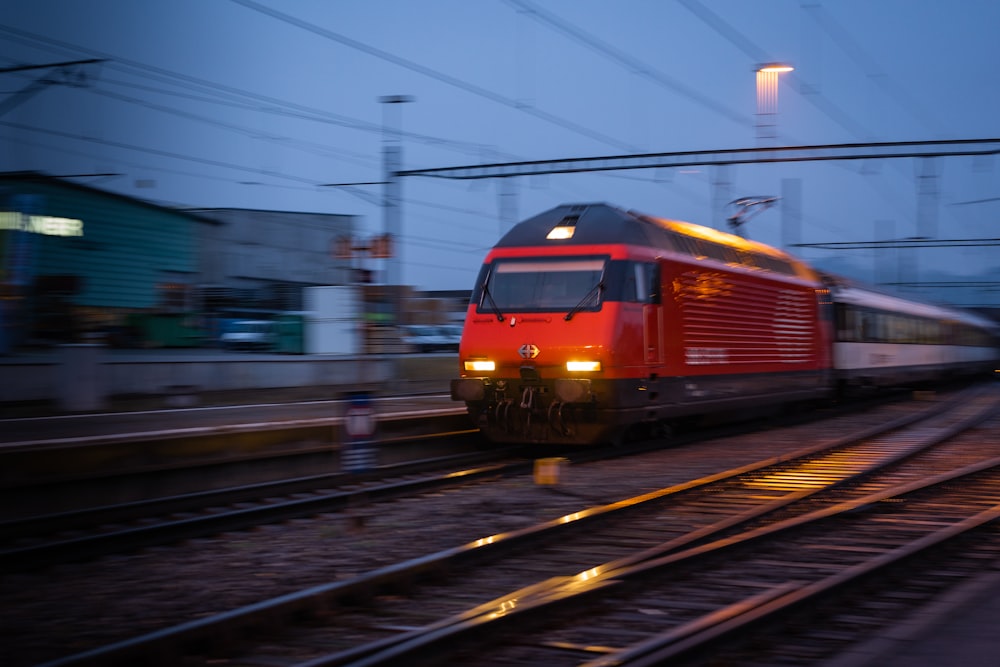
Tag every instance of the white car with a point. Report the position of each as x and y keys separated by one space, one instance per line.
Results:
x=429 y=338
x=250 y=335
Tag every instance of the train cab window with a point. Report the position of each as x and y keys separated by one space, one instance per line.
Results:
x=543 y=284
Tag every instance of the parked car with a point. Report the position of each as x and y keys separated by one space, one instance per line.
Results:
x=430 y=338
x=250 y=335
x=453 y=335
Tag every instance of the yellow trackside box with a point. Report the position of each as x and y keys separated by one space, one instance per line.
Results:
x=547 y=471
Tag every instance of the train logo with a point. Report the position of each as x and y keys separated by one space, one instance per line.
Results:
x=528 y=351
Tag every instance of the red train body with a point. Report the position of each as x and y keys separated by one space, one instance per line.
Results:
x=587 y=320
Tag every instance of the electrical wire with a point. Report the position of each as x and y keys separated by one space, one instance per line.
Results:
x=629 y=63
x=437 y=75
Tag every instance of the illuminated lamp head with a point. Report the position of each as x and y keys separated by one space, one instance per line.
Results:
x=564 y=230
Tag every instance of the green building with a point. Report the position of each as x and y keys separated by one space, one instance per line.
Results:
x=77 y=262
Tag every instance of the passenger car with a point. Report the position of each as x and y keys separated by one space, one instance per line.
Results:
x=432 y=337
x=250 y=335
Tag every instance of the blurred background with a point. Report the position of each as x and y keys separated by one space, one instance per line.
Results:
x=173 y=168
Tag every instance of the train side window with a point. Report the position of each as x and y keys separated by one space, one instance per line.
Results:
x=845 y=322
x=642 y=283
x=651 y=283
x=867 y=329
x=881 y=327
x=638 y=282
x=891 y=333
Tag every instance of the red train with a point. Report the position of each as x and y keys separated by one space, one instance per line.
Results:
x=588 y=321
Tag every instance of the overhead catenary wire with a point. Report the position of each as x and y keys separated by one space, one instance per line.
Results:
x=630 y=63
x=468 y=87
x=219 y=93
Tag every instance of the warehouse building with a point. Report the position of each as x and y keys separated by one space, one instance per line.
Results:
x=77 y=262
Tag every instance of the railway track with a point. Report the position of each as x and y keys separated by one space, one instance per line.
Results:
x=662 y=610
x=566 y=562
x=42 y=541
x=112 y=459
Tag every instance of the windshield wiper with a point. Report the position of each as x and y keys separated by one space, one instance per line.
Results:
x=496 y=309
x=596 y=289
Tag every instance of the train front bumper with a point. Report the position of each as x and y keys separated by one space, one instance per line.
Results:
x=564 y=390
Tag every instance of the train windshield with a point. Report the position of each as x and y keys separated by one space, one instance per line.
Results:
x=550 y=284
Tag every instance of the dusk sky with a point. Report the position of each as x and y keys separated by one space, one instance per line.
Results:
x=258 y=104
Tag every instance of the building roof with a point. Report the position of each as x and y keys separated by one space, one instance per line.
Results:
x=14 y=177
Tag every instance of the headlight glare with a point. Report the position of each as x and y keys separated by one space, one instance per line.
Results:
x=583 y=366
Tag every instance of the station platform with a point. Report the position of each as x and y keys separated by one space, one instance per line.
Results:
x=145 y=418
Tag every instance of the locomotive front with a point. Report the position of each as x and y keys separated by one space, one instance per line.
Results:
x=550 y=328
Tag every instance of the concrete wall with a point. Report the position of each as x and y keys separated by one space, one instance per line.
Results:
x=80 y=379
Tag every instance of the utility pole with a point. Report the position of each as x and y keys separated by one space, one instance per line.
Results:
x=392 y=154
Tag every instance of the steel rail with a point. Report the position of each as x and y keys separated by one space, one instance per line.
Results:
x=540 y=601
x=136 y=537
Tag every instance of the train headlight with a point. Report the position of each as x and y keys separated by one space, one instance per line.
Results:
x=583 y=366
x=560 y=232
x=480 y=365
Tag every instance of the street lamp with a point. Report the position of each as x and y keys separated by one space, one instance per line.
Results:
x=767 y=99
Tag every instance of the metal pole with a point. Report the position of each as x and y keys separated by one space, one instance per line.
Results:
x=392 y=161
x=508 y=205
x=721 y=195
x=791 y=212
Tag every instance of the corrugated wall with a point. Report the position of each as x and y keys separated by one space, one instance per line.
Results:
x=126 y=250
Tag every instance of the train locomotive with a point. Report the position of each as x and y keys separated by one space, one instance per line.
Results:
x=588 y=323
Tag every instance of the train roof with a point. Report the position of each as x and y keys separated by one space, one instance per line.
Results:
x=603 y=224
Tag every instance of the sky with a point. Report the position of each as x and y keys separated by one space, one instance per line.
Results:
x=262 y=104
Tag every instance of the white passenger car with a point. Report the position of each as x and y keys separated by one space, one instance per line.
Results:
x=250 y=335
x=430 y=338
